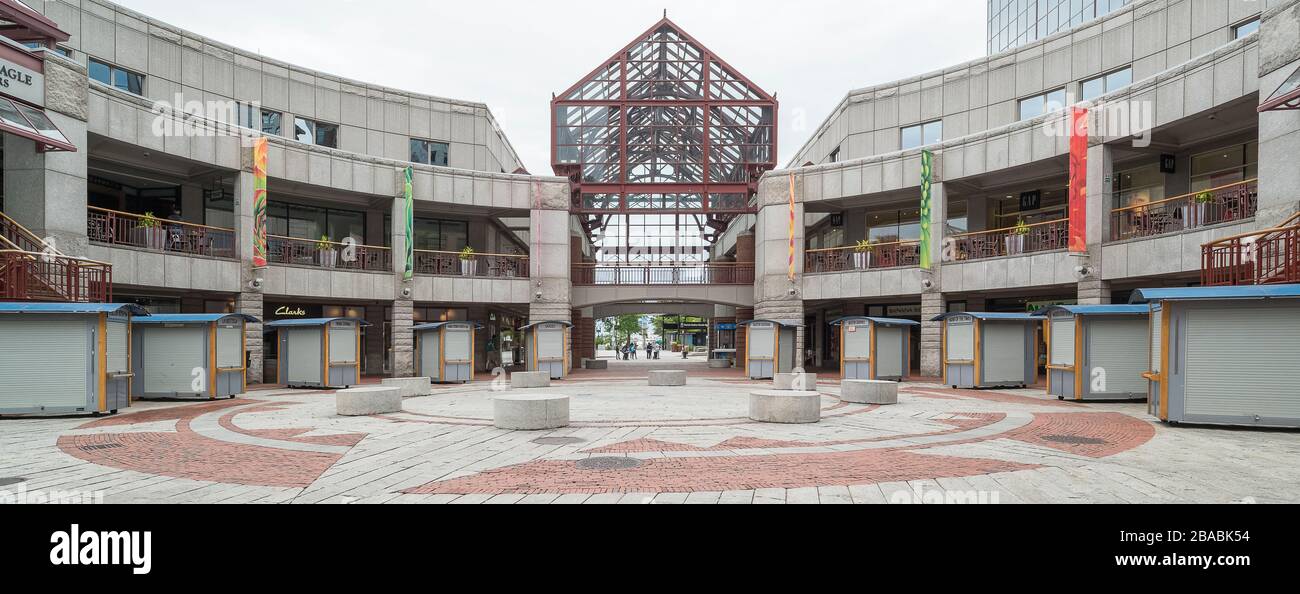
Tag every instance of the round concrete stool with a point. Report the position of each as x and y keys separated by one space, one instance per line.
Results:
x=521 y=380
x=667 y=378
x=869 y=392
x=795 y=381
x=530 y=412
x=411 y=387
x=719 y=363
x=787 y=407
x=364 y=402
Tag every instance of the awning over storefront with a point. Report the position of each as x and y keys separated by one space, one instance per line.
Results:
x=1286 y=97
x=31 y=123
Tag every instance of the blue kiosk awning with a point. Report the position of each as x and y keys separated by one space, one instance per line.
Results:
x=72 y=308
x=1096 y=310
x=1207 y=293
x=195 y=318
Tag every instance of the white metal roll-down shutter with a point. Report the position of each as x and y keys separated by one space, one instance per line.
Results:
x=456 y=342
x=762 y=341
x=170 y=357
x=1119 y=347
x=43 y=363
x=1157 y=317
x=961 y=341
x=1063 y=341
x=1004 y=353
x=857 y=341
x=230 y=347
x=117 y=348
x=304 y=355
x=1240 y=361
x=343 y=345
x=889 y=351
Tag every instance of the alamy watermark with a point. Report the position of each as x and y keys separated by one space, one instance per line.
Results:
x=20 y=495
x=196 y=119
x=1107 y=119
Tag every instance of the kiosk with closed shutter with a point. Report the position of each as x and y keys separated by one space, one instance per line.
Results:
x=1097 y=352
x=189 y=356
x=770 y=348
x=444 y=352
x=546 y=348
x=875 y=348
x=319 y=353
x=1224 y=355
x=989 y=350
x=65 y=358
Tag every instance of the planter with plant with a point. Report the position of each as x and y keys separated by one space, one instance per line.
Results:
x=150 y=233
x=862 y=254
x=1194 y=214
x=329 y=255
x=468 y=262
x=1016 y=239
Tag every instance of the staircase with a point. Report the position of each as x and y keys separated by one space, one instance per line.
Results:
x=30 y=270
x=1268 y=257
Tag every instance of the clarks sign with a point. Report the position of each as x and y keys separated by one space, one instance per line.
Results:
x=21 y=82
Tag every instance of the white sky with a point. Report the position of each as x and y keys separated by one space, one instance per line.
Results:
x=512 y=55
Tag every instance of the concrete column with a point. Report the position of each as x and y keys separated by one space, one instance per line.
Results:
x=932 y=305
x=251 y=303
x=933 y=301
x=743 y=314
x=1279 y=131
x=46 y=192
x=1101 y=172
x=745 y=247
x=403 y=338
x=551 y=290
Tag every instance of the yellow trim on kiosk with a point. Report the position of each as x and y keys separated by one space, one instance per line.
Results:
x=978 y=351
x=1164 y=362
x=1078 y=358
x=102 y=358
x=212 y=362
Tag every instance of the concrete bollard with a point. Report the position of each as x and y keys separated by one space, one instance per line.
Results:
x=522 y=380
x=795 y=381
x=786 y=407
x=667 y=378
x=411 y=387
x=530 y=412
x=869 y=392
x=365 y=402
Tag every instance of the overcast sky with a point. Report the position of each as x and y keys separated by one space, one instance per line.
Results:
x=512 y=55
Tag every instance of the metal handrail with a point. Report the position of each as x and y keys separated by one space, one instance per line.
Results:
x=1185 y=196
x=874 y=245
x=113 y=227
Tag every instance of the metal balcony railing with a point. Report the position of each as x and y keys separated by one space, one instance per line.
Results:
x=1267 y=257
x=882 y=256
x=436 y=263
x=111 y=227
x=44 y=276
x=1226 y=204
x=292 y=251
x=995 y=243
x=592 y=275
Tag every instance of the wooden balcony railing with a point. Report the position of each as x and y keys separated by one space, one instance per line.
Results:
x=995 y=243
x=1267 y=257
x=111 y=227
x=1224 y=204
x=329 y=254
x=592 y=275
x=41 y=276
x=901 y=254
x=435 y=263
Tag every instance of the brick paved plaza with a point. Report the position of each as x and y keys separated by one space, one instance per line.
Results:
x=630 y=443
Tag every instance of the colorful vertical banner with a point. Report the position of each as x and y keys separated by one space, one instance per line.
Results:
x=1079 y=180
x=793 y=250
x=260 y=147
x=409 y=194
x=927 y=180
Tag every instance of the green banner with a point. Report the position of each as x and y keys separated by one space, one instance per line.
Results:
x=410 y=225
x=927 y=179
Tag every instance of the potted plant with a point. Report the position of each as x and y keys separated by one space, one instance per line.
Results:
x=1194 y=213
x=468 y=263
x=329 y=255
x=150 y=233
x=862 y=254
x=1016 y=240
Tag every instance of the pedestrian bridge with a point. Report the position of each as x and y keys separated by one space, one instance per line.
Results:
x=729 y=284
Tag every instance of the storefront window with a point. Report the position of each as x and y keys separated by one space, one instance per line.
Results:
x=435 y=235
x=894 y=226
x=310 y=222
x=1225 y=166
x=1051 y=205
x=1140 y=185
x=219 y=209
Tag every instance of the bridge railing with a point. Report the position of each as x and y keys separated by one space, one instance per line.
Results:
x=599 y=275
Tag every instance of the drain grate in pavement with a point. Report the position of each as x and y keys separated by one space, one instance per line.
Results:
x=559 y=441
x=95 y=448
x=1075 y=440
x=5 y=481
x=609 y=463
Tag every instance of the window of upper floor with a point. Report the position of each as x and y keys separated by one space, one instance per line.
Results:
x=1032 y=107
x=1246 y=28
x=62 y=51
x=311 y=222
x=1106 y=83
x=428 y=152
x=116 y=77
x=272 y=123
x=922 y=135
x=1226 y=166
x=317 y=133
x=834 y=156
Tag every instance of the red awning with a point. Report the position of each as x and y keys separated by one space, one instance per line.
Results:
x=29 y=122
x=1286 y=97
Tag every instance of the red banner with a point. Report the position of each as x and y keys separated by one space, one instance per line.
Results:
x=1079 y=180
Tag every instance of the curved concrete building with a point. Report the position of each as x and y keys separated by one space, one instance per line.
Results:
x=142 y=183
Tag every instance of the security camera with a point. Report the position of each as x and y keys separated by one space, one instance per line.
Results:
x=927 y=284
x=406 y=292
x=255 y=284
x=1083 y=271
x=539 y=294
x=793 y=292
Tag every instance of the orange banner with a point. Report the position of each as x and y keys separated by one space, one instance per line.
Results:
x=1079 y=180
